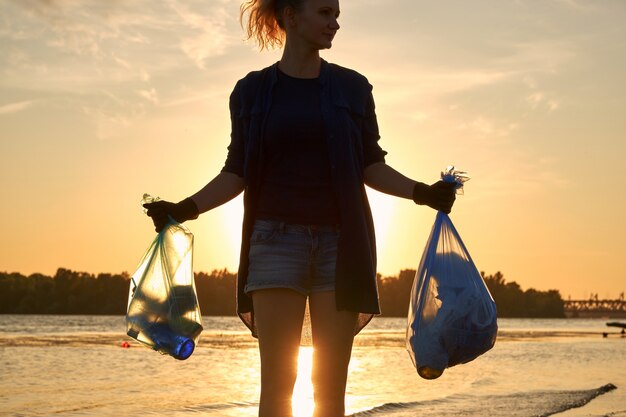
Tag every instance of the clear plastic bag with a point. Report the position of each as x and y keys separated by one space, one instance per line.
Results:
x=163 y=311
x=452 y=316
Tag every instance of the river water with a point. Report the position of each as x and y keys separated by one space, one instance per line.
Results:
x=75 y=366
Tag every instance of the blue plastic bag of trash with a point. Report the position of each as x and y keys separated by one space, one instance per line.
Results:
x=452 y=316
x=163 y=311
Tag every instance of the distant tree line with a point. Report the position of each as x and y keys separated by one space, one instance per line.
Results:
x=511 y=300
x=71 y=292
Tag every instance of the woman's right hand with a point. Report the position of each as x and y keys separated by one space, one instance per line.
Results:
x=160 y=212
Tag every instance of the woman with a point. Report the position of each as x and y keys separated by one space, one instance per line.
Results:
x=304 y=143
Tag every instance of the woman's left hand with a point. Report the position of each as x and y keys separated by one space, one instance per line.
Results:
x=439 y=196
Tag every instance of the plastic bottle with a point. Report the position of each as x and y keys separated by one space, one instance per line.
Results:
x=163 y=338
x=166 y=340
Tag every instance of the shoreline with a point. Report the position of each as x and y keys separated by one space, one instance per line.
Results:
x=243 y=339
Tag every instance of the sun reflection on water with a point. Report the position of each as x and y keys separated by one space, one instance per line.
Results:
x=302 y=399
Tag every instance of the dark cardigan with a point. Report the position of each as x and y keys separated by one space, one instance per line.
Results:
x=352 y=133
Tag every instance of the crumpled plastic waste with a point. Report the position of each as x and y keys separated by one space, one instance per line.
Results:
x=452 y=317
x=163 y=311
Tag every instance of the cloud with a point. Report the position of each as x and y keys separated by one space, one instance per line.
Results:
x=208 y=34
x=108 y=30
x=113 y=60
x=411 y=84
x=107 y=120
x=540 y=99
x=538 y=56
x=485 y=126
x=15 y=107
x=150 y=95
x=578 y=5
x=420 y=80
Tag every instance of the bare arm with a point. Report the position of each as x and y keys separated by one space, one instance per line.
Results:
x=381 y=177
x=223 y=188
x=385 y=179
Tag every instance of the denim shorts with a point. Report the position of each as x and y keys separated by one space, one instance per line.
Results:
x=293 y=256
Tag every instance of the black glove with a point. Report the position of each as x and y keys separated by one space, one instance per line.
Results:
x=440 y=195
x=181 y=211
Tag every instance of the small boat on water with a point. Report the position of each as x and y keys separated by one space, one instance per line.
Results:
x=616 y=324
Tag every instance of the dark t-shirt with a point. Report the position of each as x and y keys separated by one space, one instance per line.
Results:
x=352 y=131
x=296 y=185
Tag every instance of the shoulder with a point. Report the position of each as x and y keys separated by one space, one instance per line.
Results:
x=248 y=88
x=350 y=88
x=349 y=77
x=255 y=78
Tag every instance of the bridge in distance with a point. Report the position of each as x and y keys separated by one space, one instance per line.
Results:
x=595 y=307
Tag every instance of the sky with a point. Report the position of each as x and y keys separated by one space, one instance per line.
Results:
x=102 y=101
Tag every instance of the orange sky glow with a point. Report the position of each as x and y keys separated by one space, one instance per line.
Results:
x=102 y=101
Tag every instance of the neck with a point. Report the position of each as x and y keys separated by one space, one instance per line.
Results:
x=300 y=62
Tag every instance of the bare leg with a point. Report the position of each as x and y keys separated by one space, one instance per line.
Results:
x=278 y=314
x=333 y=334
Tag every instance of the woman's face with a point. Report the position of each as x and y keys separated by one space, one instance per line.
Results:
x=316 y=23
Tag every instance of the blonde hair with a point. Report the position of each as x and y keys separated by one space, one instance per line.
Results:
x=264 y=24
